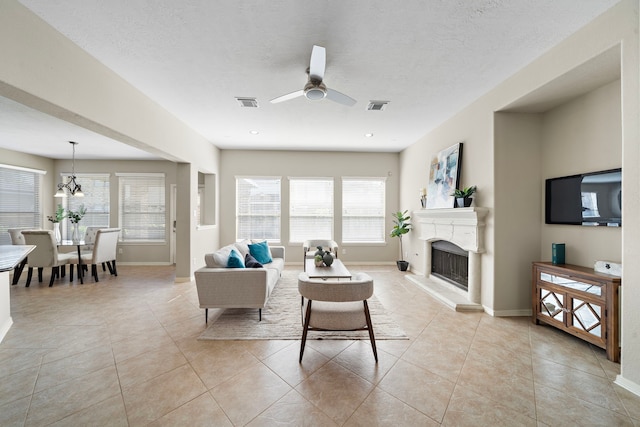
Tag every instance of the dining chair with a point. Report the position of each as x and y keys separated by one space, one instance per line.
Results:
x=89 y=239
x=335 y=305
x=18 y=239
x=104 y=251
x=45 y=255
x=309 y=247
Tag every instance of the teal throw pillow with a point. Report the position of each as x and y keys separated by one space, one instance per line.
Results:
x=260 y=251
x=235 y=260
x=251 y=262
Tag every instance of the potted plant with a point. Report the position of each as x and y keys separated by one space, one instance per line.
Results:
x=463 y=197
x=401 y=227
x=55 y=219
x=75 y=217
x=318 y=260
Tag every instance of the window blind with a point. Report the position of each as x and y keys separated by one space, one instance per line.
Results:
x=310 y=209
x=363 y=210
x=142 y=207
x=96 y=200
x=19 y=200
x=258 y=208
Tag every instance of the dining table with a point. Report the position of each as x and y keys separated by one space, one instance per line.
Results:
x=78 y=244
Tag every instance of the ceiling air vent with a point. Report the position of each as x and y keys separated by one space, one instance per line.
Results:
x=247 y=102
x=377 y=105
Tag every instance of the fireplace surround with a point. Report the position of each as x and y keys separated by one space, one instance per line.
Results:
x=464 y=227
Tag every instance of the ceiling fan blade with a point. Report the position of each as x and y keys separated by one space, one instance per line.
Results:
x=288 y=96
x=340 y=98
x=317 y=63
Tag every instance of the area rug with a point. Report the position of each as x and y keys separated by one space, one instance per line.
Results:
x=281 y=319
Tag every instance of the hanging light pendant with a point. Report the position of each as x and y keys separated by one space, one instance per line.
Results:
x=74 y=188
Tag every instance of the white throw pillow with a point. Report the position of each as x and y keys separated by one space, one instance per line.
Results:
x=243 y=247
x=221 y=256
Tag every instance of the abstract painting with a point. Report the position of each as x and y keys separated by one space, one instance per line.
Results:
x=444 y=175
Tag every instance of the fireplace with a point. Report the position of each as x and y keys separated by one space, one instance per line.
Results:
x=450 y=262
x=457 y=238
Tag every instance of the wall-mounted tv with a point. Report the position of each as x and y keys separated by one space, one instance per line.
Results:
x=593 y=199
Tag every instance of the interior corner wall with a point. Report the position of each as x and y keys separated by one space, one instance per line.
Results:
x=517 y=208
x=583 y=135
x=285 y=164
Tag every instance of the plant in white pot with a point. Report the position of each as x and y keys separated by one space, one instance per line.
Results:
x=463 y=196
x=401 y=227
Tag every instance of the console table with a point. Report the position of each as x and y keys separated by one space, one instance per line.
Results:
x=579 y=301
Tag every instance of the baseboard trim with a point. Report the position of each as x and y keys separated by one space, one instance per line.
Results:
x=628 y=385
x=143 y=263
x=525 y=312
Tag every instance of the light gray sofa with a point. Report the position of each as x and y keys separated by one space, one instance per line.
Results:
x=222 y=287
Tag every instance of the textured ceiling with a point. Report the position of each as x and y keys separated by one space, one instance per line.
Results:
x=429 y=58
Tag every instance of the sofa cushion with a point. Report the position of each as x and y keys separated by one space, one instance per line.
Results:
x=219 y=258
x=243 y=247
x=235 y=260
x=260 y=251
x=251 y=262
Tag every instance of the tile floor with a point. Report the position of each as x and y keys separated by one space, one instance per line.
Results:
x=123 y=352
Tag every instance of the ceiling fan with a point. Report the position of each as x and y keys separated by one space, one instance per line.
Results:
x=315 y=89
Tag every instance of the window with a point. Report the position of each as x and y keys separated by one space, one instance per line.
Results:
x=96 y=200
x=363 y=207
x=310 y=209
x=258 y=208
x=19 y=199
x=142 y=207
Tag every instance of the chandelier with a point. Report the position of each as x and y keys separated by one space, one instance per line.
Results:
x=71 y=185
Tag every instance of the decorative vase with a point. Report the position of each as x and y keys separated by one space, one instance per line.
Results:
x=402 y=265
x=327 y=258
x=56 y=232
x=75 y=236
x=319 y=251
x=464 y=202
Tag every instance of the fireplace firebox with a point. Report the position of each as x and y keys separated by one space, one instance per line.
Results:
x=450 y=262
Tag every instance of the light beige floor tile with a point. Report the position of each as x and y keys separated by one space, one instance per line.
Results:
x=140 y=343
x=13 y=414
x=56 y=403
x=382 y=409
x=62 y=370
x=630 y=401
x=329 y=348
x=18 y=385
x=419 y=388
x=262 y=349
x=286 y=364
x=149 y=365
x=591 y=388
x=559 y=409
x=249 y=393
x=335 y=390
x=201 y=411
x=358 y=358
x=468 y=408
x=16 y=359
x=497 y=384
x=148 y=401
x=108 y=413
x=292 y=410
x=495 y=354
x=72 y=340
x=215 y=367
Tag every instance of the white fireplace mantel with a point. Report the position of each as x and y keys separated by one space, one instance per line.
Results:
x=465 y=228
x=462 y=226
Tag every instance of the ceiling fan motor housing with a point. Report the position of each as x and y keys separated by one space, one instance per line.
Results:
x=315 y=91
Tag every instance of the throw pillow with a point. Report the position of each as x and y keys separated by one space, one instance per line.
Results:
x=260 y=251
x=251 y=262
x=221 y=256
x=243 y=247
x=235 y=260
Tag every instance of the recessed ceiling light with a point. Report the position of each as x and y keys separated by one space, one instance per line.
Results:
x=368 y=135
x=254 y=132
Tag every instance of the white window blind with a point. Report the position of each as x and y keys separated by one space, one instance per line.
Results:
x=258 y=208
x=96 y=200
x=19 y=200
x=142 y=207
x=310 y=209
x=363 y=210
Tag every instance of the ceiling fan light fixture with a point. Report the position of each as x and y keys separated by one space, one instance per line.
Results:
x=315 y=92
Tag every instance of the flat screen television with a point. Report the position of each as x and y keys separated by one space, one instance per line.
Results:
x=593 y=199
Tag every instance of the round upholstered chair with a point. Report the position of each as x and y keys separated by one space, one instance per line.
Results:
x=336 y=305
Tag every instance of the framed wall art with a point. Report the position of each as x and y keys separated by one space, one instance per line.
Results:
x=444 y=176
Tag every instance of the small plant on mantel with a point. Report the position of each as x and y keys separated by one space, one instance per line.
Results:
x=463 y=196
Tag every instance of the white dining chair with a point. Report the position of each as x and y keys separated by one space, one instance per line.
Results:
x=45 y=255
x=104 y=251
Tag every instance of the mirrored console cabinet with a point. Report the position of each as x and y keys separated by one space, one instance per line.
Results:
x=579 y=301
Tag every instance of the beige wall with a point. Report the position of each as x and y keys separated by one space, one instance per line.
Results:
x=584 y=135
x=286 y=164
x=45 y=71
x=487 y=137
